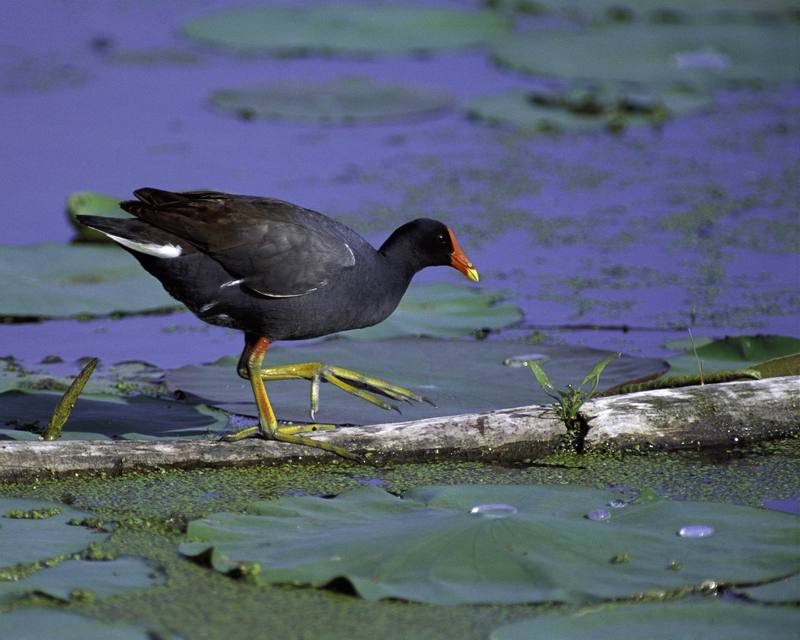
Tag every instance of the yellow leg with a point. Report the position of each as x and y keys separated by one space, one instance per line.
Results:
x=364 y=387
x=252 y=357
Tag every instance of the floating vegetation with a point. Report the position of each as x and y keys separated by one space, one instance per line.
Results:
x=700 y=57
x=343 y=29
x=430 y=546
x=344 y=100
x=688 y=618
x=610 y=108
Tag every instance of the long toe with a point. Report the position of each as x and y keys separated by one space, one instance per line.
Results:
x=376 y=385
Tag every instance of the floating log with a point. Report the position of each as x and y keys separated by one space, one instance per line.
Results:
x=688 y=417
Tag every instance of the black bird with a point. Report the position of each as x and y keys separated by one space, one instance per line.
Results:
x=278 y=271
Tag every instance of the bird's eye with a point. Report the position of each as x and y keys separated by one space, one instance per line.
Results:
x=442 y=240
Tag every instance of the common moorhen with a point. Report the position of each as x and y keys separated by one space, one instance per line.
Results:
x=278 y=271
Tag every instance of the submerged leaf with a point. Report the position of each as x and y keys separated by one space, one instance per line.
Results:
x=494 y=544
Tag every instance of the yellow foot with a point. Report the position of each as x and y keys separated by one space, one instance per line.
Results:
x=353 y=382
x=288 y=433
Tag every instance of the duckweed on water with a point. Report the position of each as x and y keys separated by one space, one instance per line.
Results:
x=152 y=511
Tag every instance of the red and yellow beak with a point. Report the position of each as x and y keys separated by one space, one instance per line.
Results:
x=459 y=261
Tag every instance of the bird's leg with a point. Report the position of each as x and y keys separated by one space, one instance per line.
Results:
x=268 y=428
x=364 y=387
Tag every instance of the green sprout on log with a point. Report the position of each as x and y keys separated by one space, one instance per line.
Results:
x=64 y=407
x=569 y=400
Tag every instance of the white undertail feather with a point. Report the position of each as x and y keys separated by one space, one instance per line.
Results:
x=149 y=248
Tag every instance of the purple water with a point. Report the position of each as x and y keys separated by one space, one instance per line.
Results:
x=581 y=229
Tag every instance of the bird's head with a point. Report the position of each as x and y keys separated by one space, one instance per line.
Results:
x=432 y=243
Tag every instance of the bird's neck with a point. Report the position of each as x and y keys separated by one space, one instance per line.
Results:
x=400 y=255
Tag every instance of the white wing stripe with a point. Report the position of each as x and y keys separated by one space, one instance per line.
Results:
x=149 y=248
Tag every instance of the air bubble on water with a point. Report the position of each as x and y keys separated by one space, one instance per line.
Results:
x=496 y=510
x=696 y=531
x=598 y=515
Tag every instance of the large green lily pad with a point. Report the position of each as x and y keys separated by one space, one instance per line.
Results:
x=33 y=530
x=582 y=110
x=496 y=544
x=92 y=203
x=459 y=376
x=101 y=578
x=733 y=352
x=23 y=415
x=58 y=281
x=340 y=100
x=687 y=54
x=37 y=623
x=698 y=620
x=345 y=29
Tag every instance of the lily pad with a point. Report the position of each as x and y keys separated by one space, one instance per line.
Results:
x=735 y=352
x=693 y=619
x=495 y=544
x=23 y=415
x=58 y=281
x=345 y=29
x=35 y=531
x=443 y=311
x=698 y=56
x=101 y=578
x=582 y=110
x=94 y=204
x=786 y=590
x=37 y=623
x=341 y=100
x=672 y=11
x=459 y=376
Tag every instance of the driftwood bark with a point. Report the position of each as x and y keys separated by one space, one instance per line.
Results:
x=712 y=415
x=508 y=434
x=689 y=417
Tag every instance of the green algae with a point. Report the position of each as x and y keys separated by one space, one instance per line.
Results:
x=151 y=511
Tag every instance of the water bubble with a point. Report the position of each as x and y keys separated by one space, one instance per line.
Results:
x=598 y=515
x=497 y=510
x=522 y=360
x=617 y=504
x=696 y=531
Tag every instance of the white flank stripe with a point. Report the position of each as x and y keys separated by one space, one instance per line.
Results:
x=150 y=248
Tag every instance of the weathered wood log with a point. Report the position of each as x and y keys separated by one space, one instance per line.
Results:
x=508 y=434
x=712 y=415
x=688 y=417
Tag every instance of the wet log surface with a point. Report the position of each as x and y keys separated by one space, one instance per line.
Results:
x=690 y=417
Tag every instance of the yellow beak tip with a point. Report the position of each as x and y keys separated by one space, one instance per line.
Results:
x=472 y=274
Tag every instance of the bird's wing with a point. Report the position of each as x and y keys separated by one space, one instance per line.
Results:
x=271 y=247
